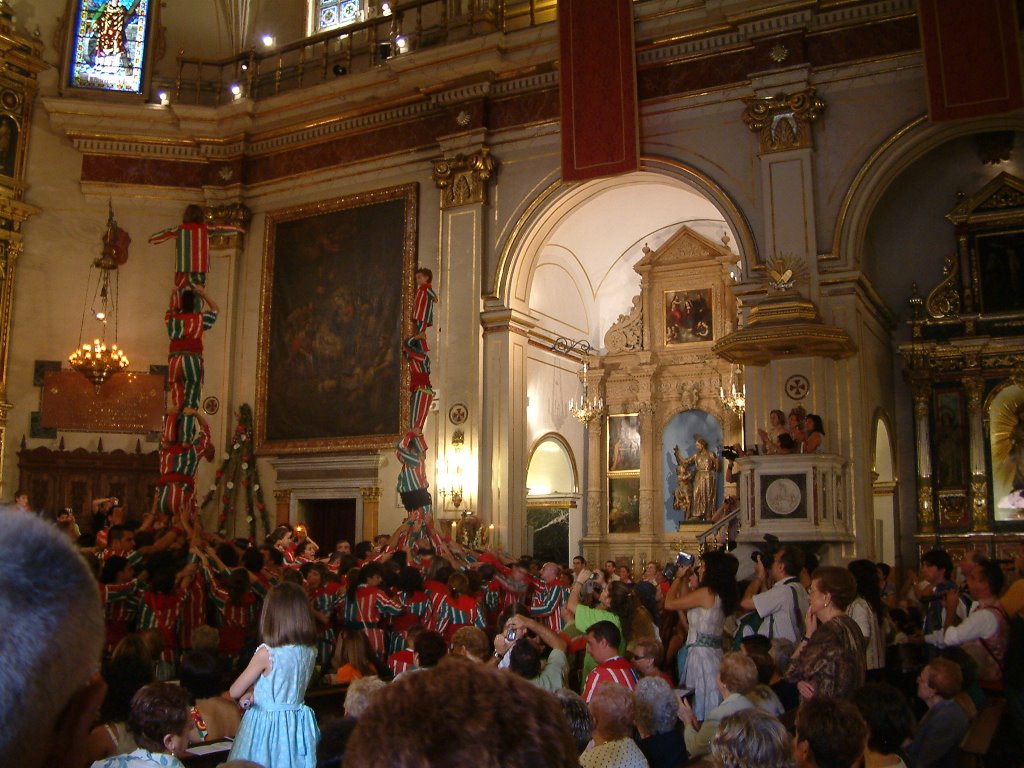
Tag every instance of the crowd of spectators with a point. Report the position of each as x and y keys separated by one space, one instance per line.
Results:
x=458 y=657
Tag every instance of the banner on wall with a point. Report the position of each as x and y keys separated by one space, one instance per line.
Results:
x=598 y=88
x=972 y=57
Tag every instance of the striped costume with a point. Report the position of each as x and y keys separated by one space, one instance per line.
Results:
x=491 y=601
x=546 y=606
x=163 y=612
x=193 y=607
x=325 y=599
x=402 y=661
x=455 y=613
x=416 y=610
x=616 y=670
x=133 y=557
x=185 y=359
x=234 y=621
x=421 y=394
x=191 y=249
x=372 y=607
x=120 y=605
x=411 y=452
x=423 y=307
x=179 y=462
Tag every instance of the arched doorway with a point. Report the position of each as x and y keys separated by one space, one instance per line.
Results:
x=552 y=500
x=567 y=271
x=885 y=518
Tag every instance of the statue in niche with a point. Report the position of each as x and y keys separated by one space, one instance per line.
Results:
x=682 y=499
x=702 y=490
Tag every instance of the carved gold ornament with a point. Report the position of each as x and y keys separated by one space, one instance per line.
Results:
x=463 y=179
x=783 y=121
x=944 y=300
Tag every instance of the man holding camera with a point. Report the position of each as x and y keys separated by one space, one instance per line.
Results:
x=781 y=606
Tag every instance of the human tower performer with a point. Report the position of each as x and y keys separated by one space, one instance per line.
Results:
x=186 y=435
x=412 y=448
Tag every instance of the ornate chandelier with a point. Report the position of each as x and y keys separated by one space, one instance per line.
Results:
x=588 y=408
x=99 y=360
x=735 y=398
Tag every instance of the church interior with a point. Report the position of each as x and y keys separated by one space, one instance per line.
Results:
x=646 y=234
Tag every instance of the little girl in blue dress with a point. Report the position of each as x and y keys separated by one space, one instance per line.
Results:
x=278 y=730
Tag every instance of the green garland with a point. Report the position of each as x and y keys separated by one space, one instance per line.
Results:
x=239 y=471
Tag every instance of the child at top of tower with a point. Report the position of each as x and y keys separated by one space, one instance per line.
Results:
x=423 y=304
x=192 y=245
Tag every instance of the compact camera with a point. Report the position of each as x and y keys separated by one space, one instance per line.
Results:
x=683 y=560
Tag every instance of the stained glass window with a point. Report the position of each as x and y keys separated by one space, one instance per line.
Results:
x=109 y=45
x=336 y=13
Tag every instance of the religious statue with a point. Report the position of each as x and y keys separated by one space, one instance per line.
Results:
x=682 y=499
x=697 y=478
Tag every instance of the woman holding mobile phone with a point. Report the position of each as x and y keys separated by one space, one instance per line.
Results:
x=708 y=595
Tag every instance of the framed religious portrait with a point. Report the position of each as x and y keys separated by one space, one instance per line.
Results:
x=950 y=439
x=688 y=316
x=108 y=46
x=336 y=303
x=1000 y=270
x=624 y=504
x=1006 y=450
x=624 y=443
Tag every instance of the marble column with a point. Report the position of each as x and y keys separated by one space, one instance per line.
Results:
x=462 y=177
x=503 y=450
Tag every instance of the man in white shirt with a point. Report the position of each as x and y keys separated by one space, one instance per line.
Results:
x=782 y=607
x=985 y=632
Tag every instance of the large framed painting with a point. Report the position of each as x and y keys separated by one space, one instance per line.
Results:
x=688 y=316
x=335 y=305
x=624 y=443
x=1006 y=449
x=108 y=46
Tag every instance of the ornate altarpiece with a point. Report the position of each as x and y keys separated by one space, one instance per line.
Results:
x=21 y=60
x=965 y=365
x=659 y=366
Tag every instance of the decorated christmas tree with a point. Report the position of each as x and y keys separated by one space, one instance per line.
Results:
x=237 y=489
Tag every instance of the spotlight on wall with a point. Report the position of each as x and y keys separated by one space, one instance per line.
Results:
x=402 y=43
x=385 y=9
x=268 y=40
x=164 y=98
x=339 y=70
x=236 y=90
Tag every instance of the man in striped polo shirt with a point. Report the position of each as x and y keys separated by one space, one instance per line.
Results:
x=603 y=640
x=546 y=606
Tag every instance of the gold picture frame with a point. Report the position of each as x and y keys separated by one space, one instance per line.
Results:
x=335 y=304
